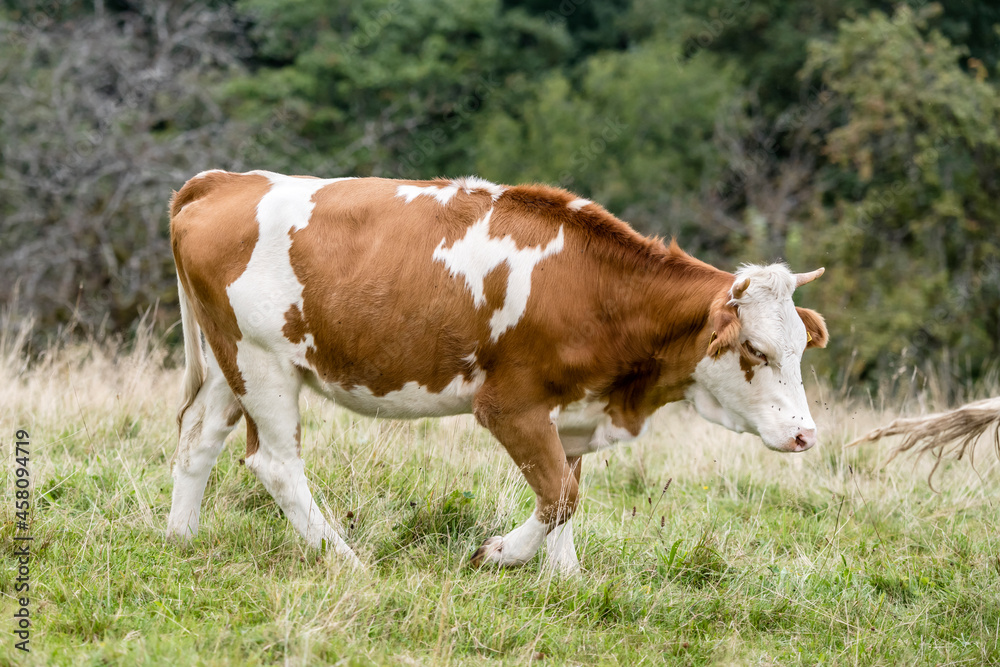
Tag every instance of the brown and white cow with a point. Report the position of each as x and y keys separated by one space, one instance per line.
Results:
x=556 y=324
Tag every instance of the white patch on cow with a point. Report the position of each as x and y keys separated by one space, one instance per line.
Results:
x=577 y=204
x=204 y=429
x=588 y=417
x=519 y=545
x=272 y=401
x=269 y=287
x=583 y=415
x=608 y=434
x=285 y=479
x=708 y=406
x=476 y=254
x=411 y=401
x=205 y=173
x=443 y=194
x=470 y=184
x=560 y=550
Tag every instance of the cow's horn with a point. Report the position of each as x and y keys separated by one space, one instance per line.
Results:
x=738 y=290
x=803 y=278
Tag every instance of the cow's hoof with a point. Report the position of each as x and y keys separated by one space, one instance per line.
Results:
x=179 y=536
x=564 y=568
x=488 y=553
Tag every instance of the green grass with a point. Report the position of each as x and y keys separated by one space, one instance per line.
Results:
x=748 y=557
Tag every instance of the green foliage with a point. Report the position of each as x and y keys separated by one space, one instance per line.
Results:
x=593 y=26
x=916 y=158
x=973 y=24
x=699 y=566
x=390 y=90
x=767 y=37
x=437 y=519
x=631 y=130
x=96 y=128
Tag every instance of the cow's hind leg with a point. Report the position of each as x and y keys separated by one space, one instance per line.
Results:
x=532 y=441
x=271 y=404
x=204 y=427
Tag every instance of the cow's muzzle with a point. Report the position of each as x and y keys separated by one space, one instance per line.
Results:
x=803 y=440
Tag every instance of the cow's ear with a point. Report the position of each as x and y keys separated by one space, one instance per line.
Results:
x=725 y=328
x=815 y=327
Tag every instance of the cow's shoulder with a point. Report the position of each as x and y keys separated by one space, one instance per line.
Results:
x=586 y=224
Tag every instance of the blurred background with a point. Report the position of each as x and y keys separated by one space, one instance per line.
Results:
x=861 y=136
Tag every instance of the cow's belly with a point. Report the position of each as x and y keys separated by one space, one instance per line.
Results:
x=584 y=427
x=410 y=402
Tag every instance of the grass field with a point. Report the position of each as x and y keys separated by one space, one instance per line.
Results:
x=749 y=557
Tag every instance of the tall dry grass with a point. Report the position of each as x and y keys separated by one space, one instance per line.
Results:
x=748 y=556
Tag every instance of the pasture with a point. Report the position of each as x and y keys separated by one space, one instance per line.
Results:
x=698 y=545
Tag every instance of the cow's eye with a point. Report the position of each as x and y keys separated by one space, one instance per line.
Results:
x=756 y=353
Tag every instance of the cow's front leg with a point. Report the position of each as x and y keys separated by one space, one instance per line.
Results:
x=530 y=437
x=560 y=551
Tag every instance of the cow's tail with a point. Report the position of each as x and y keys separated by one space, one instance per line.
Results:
x=945 y=433
x=194 y=358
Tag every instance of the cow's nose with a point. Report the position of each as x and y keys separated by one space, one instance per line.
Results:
x=805 y=439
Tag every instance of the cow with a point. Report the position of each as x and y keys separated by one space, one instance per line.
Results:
x=552 y=321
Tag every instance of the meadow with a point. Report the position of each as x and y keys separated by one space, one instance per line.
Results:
x=698 y=545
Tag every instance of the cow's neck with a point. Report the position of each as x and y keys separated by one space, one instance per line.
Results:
x=662 y=332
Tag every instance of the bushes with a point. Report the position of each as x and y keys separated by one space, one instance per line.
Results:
x=911 y=227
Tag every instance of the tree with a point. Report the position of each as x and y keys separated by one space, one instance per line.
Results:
x=383 y=87
x=632 y=130
x=911 y=227
x=104 y=114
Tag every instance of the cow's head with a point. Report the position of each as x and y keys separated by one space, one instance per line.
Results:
x=751 y=378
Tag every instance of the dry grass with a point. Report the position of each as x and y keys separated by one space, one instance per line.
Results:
x=749 y=557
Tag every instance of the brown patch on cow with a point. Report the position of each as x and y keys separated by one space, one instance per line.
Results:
x=253 y=438
x=615 y=313
x=366 y=259
x=531 y=439
x=194 y=189
x=233 y=415
x=295 y=327
x=366 y=263
x=606 y=232
x=631 y=421
x=628 y=397
x=726 y=332
x=726 y=327
x=816 y=331
x=495 y=287
x=213 y=238
x=298 y=439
